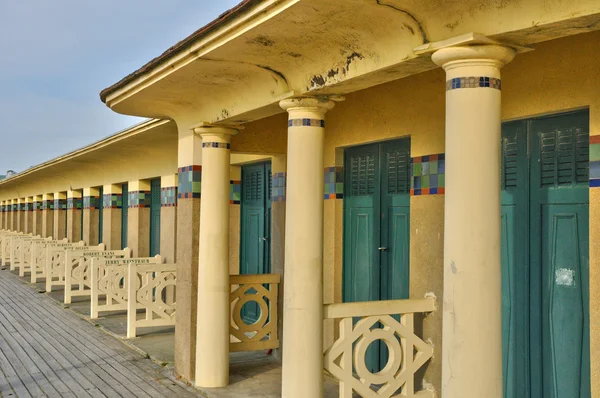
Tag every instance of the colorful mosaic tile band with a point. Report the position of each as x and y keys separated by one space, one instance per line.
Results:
x=222 y=145
x=15 y=207
x=473 y=82
x=112 y=201
x=278 y=183
x=235 y=192
x=594 y=161
x=428 y=175
x=47 y=205
x=28 y=206
x=334 y=183
x=74 y=203
x=190 y=181
x=168 y=196
x=139 y=199
x=306 y=122
x=60 y=204
x=91 y=202
x=37 y=205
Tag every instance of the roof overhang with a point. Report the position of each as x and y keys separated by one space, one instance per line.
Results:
x=239 y=67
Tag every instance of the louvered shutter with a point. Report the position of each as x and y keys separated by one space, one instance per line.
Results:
x=398 y=171
x=564 y=157
x=362 y=174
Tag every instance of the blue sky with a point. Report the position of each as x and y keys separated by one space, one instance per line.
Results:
x=57 y=55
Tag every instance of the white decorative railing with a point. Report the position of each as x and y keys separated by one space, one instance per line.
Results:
x=150 y=289
x=109 y=279
x=78 y=270
x=55 y=261
x=9 y=248
x=37 y=257
x=263 y=290
x=5 y=245
x=345 y=358
x=25 y=254
x=16 y=244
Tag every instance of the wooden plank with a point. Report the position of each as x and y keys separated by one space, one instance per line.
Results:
x=250 y=279
x=373 y=308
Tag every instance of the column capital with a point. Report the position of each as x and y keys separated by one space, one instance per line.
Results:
x=317 y=103
x=473 y=55
x=223 y=133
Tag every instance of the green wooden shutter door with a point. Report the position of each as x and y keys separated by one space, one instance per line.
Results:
x=515 y=259
x=255 y=227
x=124 y=214
x=395 y=221
x=545 y=265
x=155 y=217
x=100 y=213
x=560 y=248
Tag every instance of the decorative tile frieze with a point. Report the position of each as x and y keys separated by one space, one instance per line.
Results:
x=428 y=175
x=594 y=161
x=139 y=199
x=278 y=184
x=306 y=122
x=334 y=183
x=189 y=182
x=91 y=202
x=74 y=203
x=473 y=82
x=235 y=192
x=222 y=145
x=47 y=205
x=112 y=201
x=168 y=196
x=27 y=206
x=60 y=204
x=37 y=205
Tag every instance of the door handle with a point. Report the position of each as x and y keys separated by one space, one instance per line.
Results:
x=382 y=249
x=265 y=239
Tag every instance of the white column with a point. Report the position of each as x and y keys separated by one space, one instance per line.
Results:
x=212 y=332
x=472 y=313
x=303 y=280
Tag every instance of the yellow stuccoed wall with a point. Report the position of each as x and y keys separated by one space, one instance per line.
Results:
x=558 y=76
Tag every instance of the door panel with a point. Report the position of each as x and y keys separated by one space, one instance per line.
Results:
x=124 y=214
x=100 y=205
x=564 y=298
x=155 y=217
x=546 y=309
x=377 y=228
x=255 y=228
x=515 y=259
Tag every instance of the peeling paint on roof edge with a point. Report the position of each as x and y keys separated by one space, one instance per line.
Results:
x=244 y=6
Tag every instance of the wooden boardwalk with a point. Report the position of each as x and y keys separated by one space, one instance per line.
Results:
x=47 y=351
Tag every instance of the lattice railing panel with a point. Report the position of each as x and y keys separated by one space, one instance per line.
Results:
x=55 y=261
x=25 y=254
x=345 y=358
x=78 y=270
x=5 y=245
x=109 y=279
x=261 y=334
x=150 y=289
x=37 y=258
x=14 y=247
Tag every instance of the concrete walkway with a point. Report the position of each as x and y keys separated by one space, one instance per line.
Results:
x=46 y=351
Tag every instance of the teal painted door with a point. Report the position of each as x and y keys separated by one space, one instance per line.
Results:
x=255 y=253
x=545 y=242
x=124 y=214
x=100 y=213
x=155 y=217
x=376 y=228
